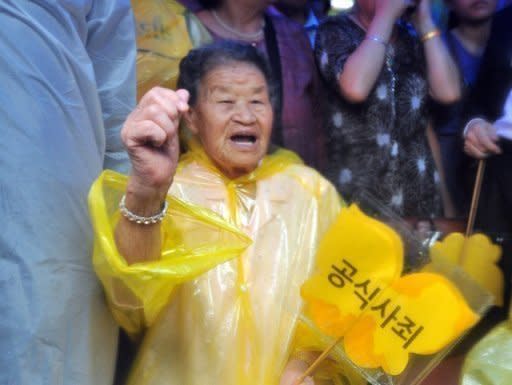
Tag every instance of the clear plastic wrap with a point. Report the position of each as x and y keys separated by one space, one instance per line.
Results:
x=490 y=360
x=234 y=324
x=166 y=31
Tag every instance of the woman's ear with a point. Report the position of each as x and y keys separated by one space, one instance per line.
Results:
x=190 y=119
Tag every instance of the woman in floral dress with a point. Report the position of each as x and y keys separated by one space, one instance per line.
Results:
x=380 y=74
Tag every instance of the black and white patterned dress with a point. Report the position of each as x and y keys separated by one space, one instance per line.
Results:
x=379 y=148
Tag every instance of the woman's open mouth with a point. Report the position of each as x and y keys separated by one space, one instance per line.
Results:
x=244 y=140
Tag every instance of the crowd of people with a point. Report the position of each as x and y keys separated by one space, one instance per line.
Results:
x=271 y=114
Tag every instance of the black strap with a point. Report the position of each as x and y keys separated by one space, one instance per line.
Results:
x=275 y=67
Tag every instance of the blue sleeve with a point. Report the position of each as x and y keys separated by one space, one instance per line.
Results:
x=111 y=47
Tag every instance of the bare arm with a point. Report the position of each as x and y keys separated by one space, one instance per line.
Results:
x=135 y=242
x=365 y=64
x=442 y=73
x=481 y=137
x=150 y=135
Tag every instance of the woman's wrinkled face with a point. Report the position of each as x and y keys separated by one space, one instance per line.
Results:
x=233 y=117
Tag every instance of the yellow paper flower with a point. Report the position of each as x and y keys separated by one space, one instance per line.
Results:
x=357 y=293
x=420 y=313
x=353 y=237
x=478 y=257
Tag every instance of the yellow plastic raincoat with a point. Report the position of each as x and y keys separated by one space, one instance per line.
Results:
x=234 y=324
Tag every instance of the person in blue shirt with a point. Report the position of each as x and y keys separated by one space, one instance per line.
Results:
x=470 y=23
x=490 y=102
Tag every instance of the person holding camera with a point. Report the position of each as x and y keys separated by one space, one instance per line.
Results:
x=381 y=73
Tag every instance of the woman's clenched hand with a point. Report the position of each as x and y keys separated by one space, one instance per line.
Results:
x=150 y=135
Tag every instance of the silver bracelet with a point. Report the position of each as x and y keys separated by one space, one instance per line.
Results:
x=378 y=39
x=157 y=218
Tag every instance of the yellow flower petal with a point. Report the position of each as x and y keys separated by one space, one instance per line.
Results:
x=357 y=293
x=478 y=257
x=329 y=319
x=359 y=343
x=359 y=254
x=420 y=313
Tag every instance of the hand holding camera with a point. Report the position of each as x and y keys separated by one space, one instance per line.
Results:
x=391 y=9
x=419 y=12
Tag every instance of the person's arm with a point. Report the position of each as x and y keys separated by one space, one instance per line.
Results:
x=480 y=139
x=481 y=136
x=364 y=65
x=504 y=124
x=442 y=73
x=150 y=135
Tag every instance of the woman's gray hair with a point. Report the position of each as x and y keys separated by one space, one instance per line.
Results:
x=200 y=61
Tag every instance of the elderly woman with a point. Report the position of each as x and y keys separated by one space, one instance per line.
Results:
x=380 y=76
x=235 y=323
x=166 y=30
